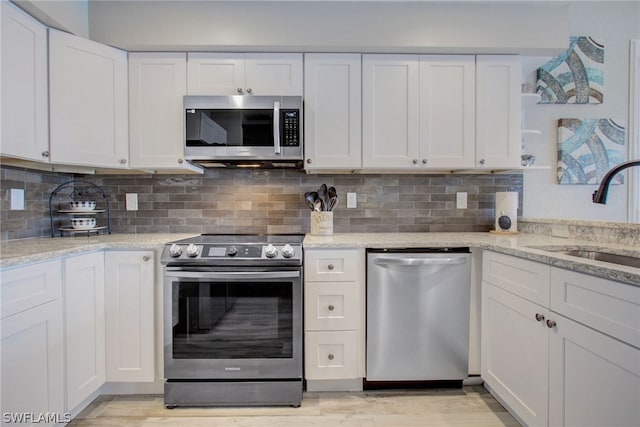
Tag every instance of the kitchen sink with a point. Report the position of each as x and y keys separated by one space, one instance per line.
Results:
x=629 y=261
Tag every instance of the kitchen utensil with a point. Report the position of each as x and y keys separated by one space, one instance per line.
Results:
x=322 y=194
x=310 y=197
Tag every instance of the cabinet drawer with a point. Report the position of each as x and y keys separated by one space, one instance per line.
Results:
x=522 y=277
x=331 y=265
x=331 y=306
x=22 y=288
x=331 y=355
x=605 y=305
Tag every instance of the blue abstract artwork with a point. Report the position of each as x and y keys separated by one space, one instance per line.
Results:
x=575 y=76
x=588 y=148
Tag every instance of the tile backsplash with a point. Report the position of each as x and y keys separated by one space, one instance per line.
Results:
x=266 y=201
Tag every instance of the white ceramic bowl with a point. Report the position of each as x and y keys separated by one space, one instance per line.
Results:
x=83 y=223
x=82 y=205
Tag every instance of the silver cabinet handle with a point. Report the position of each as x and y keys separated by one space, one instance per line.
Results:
x=123 y=161
x=415 y=161
x=180 y=161
x=239 y=90
x=551 y=323
x=45 y=154
x=330 y=356
x=481 y=161
x=309 y=161
x=249 y=90
x=146 y=258
x=331 y=308
x=539 y=317
x=410 y=262
x=330 y=267
x=276 y=126
x=424 y=161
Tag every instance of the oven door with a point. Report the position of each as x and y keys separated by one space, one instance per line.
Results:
x=226 y=325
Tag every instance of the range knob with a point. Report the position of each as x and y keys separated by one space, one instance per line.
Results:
x=175 y=250
x=192 y=250
x=270 y=251
x=288 y=251
x=232 y=251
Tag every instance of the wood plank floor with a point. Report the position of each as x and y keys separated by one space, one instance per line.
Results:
x=470 y=406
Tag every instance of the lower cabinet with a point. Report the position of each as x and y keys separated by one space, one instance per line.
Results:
x=572 y=362
x=129 y=314
x=32 y=357
x=84 y=326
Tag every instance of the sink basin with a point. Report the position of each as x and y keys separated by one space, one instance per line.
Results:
x=629 y=261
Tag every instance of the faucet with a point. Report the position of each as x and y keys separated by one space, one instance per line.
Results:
x=600 y=195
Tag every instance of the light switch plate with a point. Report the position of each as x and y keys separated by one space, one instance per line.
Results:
x=461 y=200
x=17 y=199
x=131 y=200
x=352 y=200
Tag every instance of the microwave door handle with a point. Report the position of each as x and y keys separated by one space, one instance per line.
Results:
x=276 y=127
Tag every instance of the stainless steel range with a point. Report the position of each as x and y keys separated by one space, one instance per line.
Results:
x=233 y=320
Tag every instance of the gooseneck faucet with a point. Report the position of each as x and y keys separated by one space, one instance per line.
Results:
x=600 y=195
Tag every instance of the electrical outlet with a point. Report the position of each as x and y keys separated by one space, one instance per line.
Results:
x=131 y=201
x=17 y=199
x=352 y=200
x=461 y=200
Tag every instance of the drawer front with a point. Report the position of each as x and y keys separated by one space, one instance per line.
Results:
x=331 y=265
x=330 y=355
x=331 y=306
x=605 y=305
x=25 y=287
x=522 y=277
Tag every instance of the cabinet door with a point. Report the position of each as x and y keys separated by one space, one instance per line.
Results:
x=273 y=74
x=515 y=351
x=332 y=111
x=88 y=102
x=215 y=73
x=331 y=306
x=84 y=326
x=594 y=379
x=32 y=362
x=129 y=313
x=390 y=116
x=25 y=120
x=157 y=83
x=498 y=111
x=447 y=111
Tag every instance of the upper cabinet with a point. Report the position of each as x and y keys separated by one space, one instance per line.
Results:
x=498 y=111
x=157 y=83
x=332 y=111
x=244 y=74
x=88 y=102
x=25 y=123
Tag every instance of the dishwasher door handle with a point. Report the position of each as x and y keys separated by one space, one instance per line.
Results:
x=416 y=262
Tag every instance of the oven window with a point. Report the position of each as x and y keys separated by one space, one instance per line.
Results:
x=232 y=320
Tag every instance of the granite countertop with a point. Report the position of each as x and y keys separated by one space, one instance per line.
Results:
x=529 y=246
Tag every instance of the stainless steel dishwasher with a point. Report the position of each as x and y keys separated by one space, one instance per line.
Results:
x=418 y=315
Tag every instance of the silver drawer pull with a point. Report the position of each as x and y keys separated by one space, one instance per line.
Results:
x=539 y=317
x=331 y=308
x=330 y=356
x=331 y=267
x=551 y=323
x=146 y=258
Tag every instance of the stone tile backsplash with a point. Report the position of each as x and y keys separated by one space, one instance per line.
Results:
x=266 y=201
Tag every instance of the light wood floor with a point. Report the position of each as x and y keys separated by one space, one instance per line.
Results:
x=470 y=406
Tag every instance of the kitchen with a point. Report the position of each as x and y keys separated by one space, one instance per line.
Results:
x=269 y=201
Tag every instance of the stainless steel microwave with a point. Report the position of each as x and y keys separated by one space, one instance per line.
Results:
x=243 y=130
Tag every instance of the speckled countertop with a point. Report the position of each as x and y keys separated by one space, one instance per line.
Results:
x=529 y=246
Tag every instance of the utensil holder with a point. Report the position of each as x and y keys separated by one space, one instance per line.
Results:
x=322 y=223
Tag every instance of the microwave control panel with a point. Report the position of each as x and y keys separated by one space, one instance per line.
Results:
x=290 y=129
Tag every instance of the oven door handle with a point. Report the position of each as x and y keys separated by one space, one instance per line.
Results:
x=276 y=127
x=232 y=275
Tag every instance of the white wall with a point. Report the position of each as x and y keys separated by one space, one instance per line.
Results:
x=67 y=15
x=615 y=24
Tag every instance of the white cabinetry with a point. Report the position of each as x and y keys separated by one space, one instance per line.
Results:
x=32 y=340
x=84 y=326
x=157 y=83
x=560 y=348
x=129 y=314
x=332 y=111
x=88 y=102
x=334 y=319
x=25 y=120
x=498 y=111
x=244 y=74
